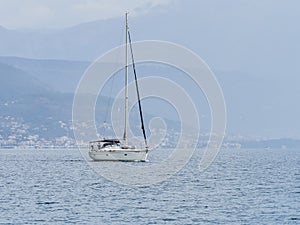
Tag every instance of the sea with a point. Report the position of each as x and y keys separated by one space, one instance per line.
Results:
x=242 y=186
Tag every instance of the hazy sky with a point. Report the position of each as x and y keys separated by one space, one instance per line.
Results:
x=62 y=13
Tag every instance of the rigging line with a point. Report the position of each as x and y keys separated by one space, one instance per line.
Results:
x=137 y=91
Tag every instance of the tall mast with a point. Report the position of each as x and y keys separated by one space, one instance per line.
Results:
x=126 y=80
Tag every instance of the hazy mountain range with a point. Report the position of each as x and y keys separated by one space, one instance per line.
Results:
x=46 y=87
x=256 y=67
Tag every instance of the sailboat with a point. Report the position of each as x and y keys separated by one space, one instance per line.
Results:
x=115 y=149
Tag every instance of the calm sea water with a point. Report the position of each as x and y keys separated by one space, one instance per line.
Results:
x=240 y=187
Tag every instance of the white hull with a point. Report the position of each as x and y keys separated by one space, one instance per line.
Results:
x=119 y=155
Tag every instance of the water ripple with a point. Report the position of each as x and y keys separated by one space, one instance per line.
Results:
x=241 y=187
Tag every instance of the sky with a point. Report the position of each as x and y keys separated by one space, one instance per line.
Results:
x=30 y=14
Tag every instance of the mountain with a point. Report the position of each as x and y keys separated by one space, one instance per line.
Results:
x=227 y=36
x=59 y=75
x=36 y=103
x=16 y=82
x=82 y=42
x=30 y=107
x=35 y=108
x=256 y=106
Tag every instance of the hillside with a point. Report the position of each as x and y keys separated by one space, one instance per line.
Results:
x=34 y=111
x=16 y=82
x=58 y=75
x=38 y=94
x=29 y=107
